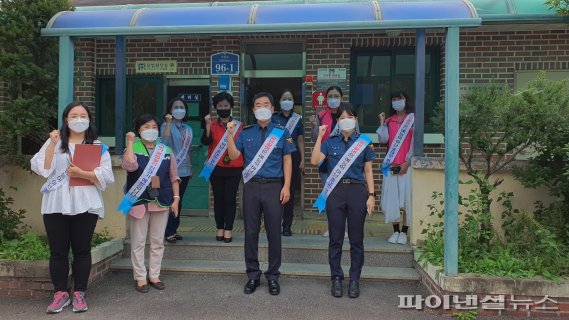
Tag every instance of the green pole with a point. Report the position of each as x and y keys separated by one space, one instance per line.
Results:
x=452 y=71
x=65 y=89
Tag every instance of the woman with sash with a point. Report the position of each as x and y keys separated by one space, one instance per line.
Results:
x=327 y=117
x=397 y=132
x=223 y=173
x=292 y=121
x=153 y=190
x=70 y=213
x=178 y=136
x=348 y=194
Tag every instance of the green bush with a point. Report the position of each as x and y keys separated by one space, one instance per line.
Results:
x=527 y=249
x=28 y=247
x=11 y=225
x=101 y=237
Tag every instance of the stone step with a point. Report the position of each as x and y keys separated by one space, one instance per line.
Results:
x=296 y=249
x=287 y=269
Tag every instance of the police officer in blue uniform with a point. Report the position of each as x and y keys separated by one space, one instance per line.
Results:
x=297 y=133
x=268 y=189
x=349 y=200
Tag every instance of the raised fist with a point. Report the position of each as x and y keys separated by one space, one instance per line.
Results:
x=382 y=118
x=168 y=118
x=231 y=127
x=322 y=130
x=207 y=120
x=54 y=136
x=130 y=137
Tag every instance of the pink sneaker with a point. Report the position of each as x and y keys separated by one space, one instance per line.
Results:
x=60 y=301
x=79 y=301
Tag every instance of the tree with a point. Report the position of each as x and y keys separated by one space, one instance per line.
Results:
x=549 y=163
x=29 y=66
x=495 y=126
x=561 y=7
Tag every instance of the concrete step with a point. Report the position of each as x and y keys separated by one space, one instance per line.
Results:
x=296 y=249
x=287 y=269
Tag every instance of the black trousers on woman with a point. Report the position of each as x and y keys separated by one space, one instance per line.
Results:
x=173 y=221
x=347 y=202
x=224 y=189
x=75 y=232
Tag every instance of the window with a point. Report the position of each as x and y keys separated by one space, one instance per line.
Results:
x=376 y=73
x=143 y=95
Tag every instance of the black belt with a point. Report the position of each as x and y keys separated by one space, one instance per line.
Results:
x=267 y=180
x=351 y=181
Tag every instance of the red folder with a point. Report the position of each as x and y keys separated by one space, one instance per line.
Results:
x=87 y=157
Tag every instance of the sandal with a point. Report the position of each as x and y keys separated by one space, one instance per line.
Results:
x=171 y=239
x=178 y=237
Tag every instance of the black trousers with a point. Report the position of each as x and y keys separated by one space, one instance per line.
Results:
x=224 y=190
x=173 y=221
x=294 y=184
x=262 y=198
x=63 y=232
x=346 y=202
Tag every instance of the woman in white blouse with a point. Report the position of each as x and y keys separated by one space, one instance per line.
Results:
x=70 y=213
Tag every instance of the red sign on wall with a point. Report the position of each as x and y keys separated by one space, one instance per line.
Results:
x=319 y=99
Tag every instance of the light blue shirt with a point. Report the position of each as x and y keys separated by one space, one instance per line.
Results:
x=175 y=142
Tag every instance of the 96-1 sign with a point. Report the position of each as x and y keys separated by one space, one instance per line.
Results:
x=225 y=63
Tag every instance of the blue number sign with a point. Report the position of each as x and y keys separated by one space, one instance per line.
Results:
x=225 y=63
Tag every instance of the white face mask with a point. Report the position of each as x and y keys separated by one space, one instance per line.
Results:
x=334 y=103
x=179 y=114
x=398 y=105
x=263 y=114
x=347 y=124
x=287 y=105
x=78 y=125
x=149 y=135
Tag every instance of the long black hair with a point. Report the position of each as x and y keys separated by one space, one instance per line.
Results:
x=398 y=94
x=90 y=134
x=171 y=103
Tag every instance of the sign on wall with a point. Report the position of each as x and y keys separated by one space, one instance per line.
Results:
x=224 y=63
x=156 y=66
x=319 y=99
x=327 y=77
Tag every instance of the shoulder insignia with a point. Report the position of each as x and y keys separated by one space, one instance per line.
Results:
x=289 y=140
x=279 y=126
x=370 y=146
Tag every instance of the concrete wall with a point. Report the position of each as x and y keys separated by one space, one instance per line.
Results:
x=427 y=180
x=28 y=197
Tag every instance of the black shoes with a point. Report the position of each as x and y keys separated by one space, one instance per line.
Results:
x=287 y=232
x=218 y=238
x=274 y=287
x=337 y=290
x=171 y=239
x=354 y=289
x=142 y=289
x=228 y=240
x=251 y=286
x=178 y=237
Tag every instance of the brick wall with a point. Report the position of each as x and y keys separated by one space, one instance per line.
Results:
x=485 y=56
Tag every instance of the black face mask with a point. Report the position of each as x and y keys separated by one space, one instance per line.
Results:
x=224 y=113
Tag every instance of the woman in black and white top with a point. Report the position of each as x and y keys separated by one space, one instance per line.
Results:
x=70 y=213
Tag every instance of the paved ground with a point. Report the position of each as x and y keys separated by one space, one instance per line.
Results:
x=191 y=296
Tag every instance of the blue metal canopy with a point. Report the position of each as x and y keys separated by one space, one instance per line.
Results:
x=265 y=18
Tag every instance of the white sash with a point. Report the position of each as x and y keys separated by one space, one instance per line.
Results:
x=186 y=146
x=291 y=124
x=340 y=169
x=140 y=185
x=397 y=142
x=62 y=177
x=217 y=153
x=263 y=154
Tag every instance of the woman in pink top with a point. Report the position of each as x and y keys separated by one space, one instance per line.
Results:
x=396 y=188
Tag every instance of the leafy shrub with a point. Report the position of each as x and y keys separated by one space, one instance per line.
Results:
x=527 y=249
x=101 y=237
x=10 y=221
x=28 y=247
